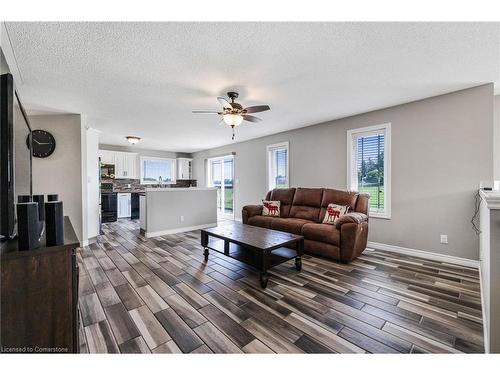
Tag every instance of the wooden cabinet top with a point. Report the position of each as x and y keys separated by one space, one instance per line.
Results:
x=9 y=249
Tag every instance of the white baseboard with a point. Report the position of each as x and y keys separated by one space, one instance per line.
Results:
x=425 y=254
x=84 y=243
x=178 y=230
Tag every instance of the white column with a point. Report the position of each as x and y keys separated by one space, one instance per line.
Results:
x=489 y=257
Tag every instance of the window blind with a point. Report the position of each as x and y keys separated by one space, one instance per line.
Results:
x=154 y=169
x=278 y=157
x=370 y=167
x=281 y=178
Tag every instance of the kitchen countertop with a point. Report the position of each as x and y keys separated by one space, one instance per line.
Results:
x=125 y=191
x=179 y=189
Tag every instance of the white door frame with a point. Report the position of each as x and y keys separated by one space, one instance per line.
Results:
x=221 y=213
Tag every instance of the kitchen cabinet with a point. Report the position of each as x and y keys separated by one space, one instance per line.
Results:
x=131 y=163
x=107 y=157
x=125 y=165
x=184 y=168
x=124 y=205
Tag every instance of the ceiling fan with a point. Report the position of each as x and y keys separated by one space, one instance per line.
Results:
x=233 y=114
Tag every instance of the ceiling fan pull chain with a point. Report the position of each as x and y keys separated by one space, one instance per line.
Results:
x=232 y=127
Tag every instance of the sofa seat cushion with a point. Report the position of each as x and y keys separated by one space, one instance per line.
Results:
x=261 y=221
x=289 y=225
x=321 y=232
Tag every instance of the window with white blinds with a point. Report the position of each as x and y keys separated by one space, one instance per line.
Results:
x=369 y=166
x=277 y=165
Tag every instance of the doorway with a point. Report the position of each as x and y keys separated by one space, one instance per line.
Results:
x=221 y=176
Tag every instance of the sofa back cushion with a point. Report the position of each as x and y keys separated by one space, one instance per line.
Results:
x=339 y=197
x=306 y=204
x=285 y=196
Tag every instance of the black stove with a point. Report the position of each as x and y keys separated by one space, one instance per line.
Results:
x=109 y=203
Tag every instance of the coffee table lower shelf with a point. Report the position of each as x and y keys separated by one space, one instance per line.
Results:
x=254 y=258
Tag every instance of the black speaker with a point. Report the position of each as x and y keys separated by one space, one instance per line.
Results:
x=28 y=225
x=40 y=199
x=24 y=198
x=52 y=197
x=54 y=223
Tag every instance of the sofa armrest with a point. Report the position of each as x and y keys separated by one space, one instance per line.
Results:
x=249 y=211
x=351 y=217
x=353 y=229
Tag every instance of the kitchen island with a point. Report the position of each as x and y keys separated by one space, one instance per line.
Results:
x=174 y=210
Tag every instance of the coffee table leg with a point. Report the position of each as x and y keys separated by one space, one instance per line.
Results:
x=204 y=243
x=264 y=277
x=298 y=259
x=298 y=263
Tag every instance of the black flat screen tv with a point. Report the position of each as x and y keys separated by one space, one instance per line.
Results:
x=15 y=156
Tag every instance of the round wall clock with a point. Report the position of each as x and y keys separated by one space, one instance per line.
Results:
x=44 y=143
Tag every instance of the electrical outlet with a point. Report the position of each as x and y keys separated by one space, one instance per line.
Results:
x=181 y=218
x=444 y=238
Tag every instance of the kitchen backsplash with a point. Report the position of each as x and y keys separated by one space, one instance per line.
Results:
x=122 y=185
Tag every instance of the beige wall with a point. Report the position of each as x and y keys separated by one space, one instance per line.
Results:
x=441 y=148
x=61 y=172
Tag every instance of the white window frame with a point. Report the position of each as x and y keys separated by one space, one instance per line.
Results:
x=269 y=150
x=352 y=173
x=174 y=170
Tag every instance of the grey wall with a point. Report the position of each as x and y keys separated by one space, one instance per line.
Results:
x=494 y=281
x=61 y=172
x=164 y=208
x=496 y=140
x=4 y=68
x=441 y=148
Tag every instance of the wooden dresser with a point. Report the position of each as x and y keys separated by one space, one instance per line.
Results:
x=39 y=297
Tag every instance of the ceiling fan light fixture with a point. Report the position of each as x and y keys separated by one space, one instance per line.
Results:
x=233 y=119
x=133 y=139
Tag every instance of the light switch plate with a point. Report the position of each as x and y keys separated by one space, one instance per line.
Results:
x=444 y=238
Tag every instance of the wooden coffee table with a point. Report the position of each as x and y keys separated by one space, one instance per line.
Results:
x=258 y=247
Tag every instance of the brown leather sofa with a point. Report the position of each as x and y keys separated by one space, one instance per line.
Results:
x=302 y=212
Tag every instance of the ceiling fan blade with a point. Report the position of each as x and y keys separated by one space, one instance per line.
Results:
x=251 y=118
x=224 y=103
x=256 y=108
x=209 y=112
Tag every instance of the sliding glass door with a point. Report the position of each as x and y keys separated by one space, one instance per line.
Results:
x=221 y=176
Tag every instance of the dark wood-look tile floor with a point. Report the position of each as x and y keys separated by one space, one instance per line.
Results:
x=157 y=295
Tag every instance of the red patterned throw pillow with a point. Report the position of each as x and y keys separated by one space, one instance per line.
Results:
x=334 y=212
x=271 y=208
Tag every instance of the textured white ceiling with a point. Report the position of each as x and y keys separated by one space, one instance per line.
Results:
x=145 y=78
